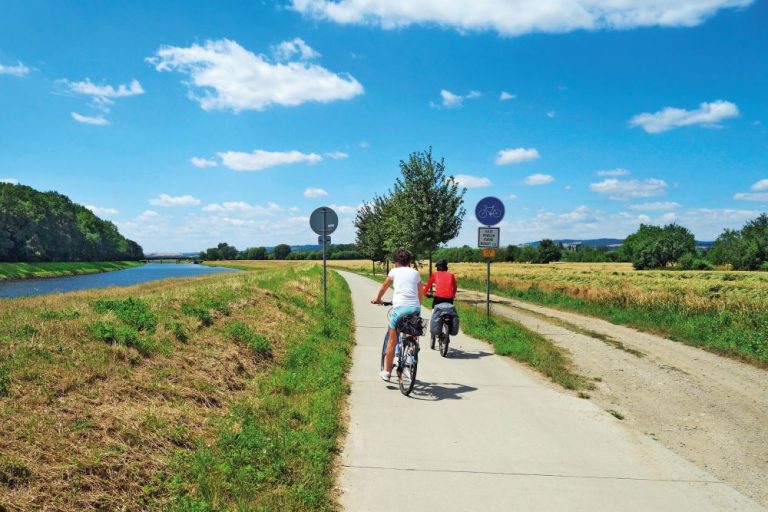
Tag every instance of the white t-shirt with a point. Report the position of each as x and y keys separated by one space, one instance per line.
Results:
x=406 y=282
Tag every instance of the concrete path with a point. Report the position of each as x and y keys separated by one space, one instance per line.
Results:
x=481 y=432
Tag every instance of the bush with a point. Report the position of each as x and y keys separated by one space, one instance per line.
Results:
x=693 y=261
x=764 y=266
x=133 y=312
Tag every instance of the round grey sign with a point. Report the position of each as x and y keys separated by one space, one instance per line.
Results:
x=323 y=221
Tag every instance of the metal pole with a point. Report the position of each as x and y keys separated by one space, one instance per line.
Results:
x=325 y=286
x=488 y=293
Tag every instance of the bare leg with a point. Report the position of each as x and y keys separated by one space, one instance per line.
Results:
x=390 y=350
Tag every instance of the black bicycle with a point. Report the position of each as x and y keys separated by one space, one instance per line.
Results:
x=406 y=360
x=443 y=338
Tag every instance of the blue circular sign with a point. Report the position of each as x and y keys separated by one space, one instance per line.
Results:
x=489 y=211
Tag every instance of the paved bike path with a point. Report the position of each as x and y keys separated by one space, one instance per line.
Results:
x=481 y=432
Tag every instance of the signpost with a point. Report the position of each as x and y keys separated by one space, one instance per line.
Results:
x=489 y=212
x=324 y=221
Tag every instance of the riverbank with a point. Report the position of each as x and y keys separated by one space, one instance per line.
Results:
x=10 y=271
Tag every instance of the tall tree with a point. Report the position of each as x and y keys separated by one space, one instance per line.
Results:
x=427 y=206
x=371 y=225
x=282 y=251
x=655 y=247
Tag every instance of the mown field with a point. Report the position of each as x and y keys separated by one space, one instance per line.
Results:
x=722 y=311
x=218 y=393
x=35 y=270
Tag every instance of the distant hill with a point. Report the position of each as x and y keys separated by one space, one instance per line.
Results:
x=48 y=226
x=609 y=242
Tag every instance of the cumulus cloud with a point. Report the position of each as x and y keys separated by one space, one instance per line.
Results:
x=225 y=76
x=337 y=155
x=538 y=179
x=451 y=100
x=647 y=207
x=622 y=190
x=88 y=88
x=241 y=207
x=105 y=212
x=12 y=181
x=514 y=18
x=315 y=192
x=613 y=172
x=167 y=200
x=260 y=159
x=286 y=50
x=760 y=185
x=465 y=180
x=148 y=214
x=202 y=163
x=516 y=156
x=343 y=209
x=18 y=70
x=95 y=120
x=707 y=115
x=505 y=96
x=759 y=192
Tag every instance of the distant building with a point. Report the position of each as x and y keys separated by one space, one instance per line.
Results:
x=571 y=246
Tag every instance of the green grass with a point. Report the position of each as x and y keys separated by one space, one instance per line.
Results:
x=36 y=270
x=275 y=450
x=729 y=333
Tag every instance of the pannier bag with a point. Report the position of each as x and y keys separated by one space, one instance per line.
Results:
x=411 y=325
x=436 y=322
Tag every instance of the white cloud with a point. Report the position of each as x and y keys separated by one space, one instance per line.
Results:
x=260 y=159
x=538 y=179
x=751 y=196
x=505 y=96
x=88 y=88
x=202 y=163
x=315 y=192
x=551 y=114
x=337 y=155
x=344 y=209
x=464 y=180
x=707 y=115
x=622 y=190
x=516 y=156
x=106 y=212
x=148 y=214
x=451 y=100
x=18 y=70
x=166 y=200
x=241 y=207
x=95 y=120
x=512 y=197
x=614 y=172
x=519 y=17
x=286 y=50
x=760 y=185
x=647 y=207
x=12 y=181
x=225 y=76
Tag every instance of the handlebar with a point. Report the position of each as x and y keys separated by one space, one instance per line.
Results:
x=383 y=303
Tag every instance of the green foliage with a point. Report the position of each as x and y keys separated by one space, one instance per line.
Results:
x=548 y=251
x=281 y=251
x=590 y=255
x=242 y=333
x=254 y=253
x=126 y=335
x=5 y=380
x=47 y=226
x=223 y=251
x=133 y=312
x=693 y=261
x=201 y=313
x=371 y=225
x=653 y=247
x=746 y=249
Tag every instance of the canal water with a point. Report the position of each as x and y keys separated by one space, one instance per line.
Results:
x=127 y=277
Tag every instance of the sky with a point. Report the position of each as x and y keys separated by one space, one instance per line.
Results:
x=189 y=123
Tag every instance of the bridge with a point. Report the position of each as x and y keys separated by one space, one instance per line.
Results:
x=170 y=258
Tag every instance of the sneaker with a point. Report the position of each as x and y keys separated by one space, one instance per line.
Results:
x=385 y=375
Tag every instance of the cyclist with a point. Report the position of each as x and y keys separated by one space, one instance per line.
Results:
x=445 y=284
x=406 y=300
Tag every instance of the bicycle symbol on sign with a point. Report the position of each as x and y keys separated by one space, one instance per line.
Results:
x=489 y=211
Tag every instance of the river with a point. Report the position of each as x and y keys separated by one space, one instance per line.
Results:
x=127 y=277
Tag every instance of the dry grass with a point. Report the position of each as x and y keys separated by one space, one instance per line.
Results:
x=89 y=425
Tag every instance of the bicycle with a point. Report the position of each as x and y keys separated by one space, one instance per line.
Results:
x=444 y=336
x=406 y=357
x=489 y=211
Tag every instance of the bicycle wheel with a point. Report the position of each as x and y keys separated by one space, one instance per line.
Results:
x=432 y=342
x=408 y=376
x=445 y=338
x=383 y=354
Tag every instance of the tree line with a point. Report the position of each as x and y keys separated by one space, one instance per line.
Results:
x=47 y=226
x=224 y=251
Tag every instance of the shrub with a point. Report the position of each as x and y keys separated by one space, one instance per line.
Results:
x=133 y=312
x=692 y=261
x=764 y=266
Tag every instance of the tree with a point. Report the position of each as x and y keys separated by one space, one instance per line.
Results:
x=746 y=249
x=371 y=225
x=548 y=251
x=254 y=253
x=655 y=247
x=426 y=205
x=282 y=251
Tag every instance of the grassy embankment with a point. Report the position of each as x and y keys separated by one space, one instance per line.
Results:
x=724 y=312
x=217 y=393
x=34 y=270
x=508 y=338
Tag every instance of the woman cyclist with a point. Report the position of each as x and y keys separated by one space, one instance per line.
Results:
x=445 y=284
x=406 y=300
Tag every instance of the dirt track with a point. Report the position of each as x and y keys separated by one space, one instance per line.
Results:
x=709 y=409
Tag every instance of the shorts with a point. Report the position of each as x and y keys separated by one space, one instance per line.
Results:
x=402 y=311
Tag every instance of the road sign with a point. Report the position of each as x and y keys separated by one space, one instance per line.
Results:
x=323 y=221
x=488 y=238
x=489 y=211
x=324 y=239
x=489 y=254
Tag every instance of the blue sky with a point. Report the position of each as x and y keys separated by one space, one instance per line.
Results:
x=190 y=123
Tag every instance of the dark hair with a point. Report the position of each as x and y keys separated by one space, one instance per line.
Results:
x=441 y=265
x=402 y=257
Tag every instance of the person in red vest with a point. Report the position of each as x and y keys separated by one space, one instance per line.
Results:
x=445 y=284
